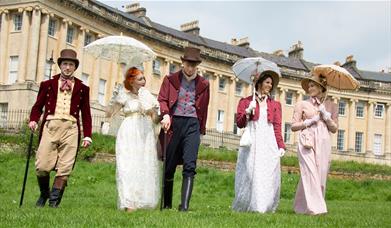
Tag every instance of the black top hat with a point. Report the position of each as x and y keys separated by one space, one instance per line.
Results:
x=191 y=54
x=68 y=54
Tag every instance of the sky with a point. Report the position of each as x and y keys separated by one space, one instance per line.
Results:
x=329 y=30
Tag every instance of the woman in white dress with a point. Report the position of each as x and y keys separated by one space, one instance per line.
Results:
x=137 y=165
x=258 y=173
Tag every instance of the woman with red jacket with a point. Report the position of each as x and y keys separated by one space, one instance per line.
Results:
x=258 y=173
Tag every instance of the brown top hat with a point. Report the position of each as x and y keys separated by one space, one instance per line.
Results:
x=318 y=79
x=68 y=54
x=191 y=54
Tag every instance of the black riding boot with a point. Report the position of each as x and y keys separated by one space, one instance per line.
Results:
x=187 y=188
x=43 y=183
x=57 y=192
x=168 y=186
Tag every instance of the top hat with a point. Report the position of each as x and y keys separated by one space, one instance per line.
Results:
x=68 y=54
x=318 y=79
x=191 y=54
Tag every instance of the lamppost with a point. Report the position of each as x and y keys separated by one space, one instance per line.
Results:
x=51 y=62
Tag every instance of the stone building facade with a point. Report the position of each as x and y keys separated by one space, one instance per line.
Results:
x=34 y=31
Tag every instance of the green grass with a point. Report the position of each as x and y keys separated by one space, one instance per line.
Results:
x=90 y=201
x=106 y=144
x=101 y=144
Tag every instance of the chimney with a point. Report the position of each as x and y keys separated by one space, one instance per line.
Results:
x=279 y=53
x=191 y=27
x=296 y=51
x=135 y=9
x=349 y=61
x=242 y=42
x=337 y=63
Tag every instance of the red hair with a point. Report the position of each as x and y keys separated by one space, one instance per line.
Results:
x=130 y=76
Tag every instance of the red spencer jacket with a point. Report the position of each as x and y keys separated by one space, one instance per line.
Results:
x=80 y=101
x=273 y=116
x=168 y=96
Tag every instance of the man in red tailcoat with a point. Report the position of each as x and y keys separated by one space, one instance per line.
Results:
x=184 y=99
x=63 y=97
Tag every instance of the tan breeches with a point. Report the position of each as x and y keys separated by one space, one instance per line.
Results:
x=57 y=148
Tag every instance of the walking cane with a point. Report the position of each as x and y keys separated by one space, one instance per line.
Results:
x=27 y=167
x=164 y=169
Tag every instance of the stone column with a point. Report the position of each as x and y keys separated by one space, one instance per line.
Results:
x=4 y=45
x=33 y=47
x=352 y=117
x=43 y=45
x=24 y=44
x=231 y=109
x=369 y=135
x=61 y=44
x=387 y=137
x=277 y=94
x=62 y=36
x=95 y=76
x=335 y=136
x=80 y=54
x=299 y=96
x=282 y=95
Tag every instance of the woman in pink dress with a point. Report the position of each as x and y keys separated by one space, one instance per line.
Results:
x=315 y=118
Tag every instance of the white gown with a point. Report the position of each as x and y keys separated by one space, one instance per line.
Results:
x=258 y=173
x=137 y=166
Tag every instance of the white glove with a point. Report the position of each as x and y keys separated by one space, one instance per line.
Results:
x=166 y=122
x=105 y=128
x=251 y=107
x=325 y=114
x=282 y=152
x=309 y=122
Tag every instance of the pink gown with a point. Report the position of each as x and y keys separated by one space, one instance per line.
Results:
x=314 y=163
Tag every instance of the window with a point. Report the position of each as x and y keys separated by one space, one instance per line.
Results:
x=306 y=97
x=238 y=88
x=173 y=68
x=13 y=69
x=48 y=70
x=358 y=142
x=360 y=109
x=287 y=133
x=379 y=108
x=289 y=98
x=222 y=84
x=17 y=22
x=52 y=27
x=340 y=139
x=220 y=121
x=70 y=34
x=377 y=150
x=341 y=108
x=84 y=78
x=156 y=66
x=87 y=39
x=207 y=76
x=101 y=91
x=3 y=114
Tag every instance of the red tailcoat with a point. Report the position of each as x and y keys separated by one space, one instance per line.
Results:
x=273 y=116
x=168 y=96
x=80 y=102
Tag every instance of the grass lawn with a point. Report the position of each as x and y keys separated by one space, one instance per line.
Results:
x=90 y=201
